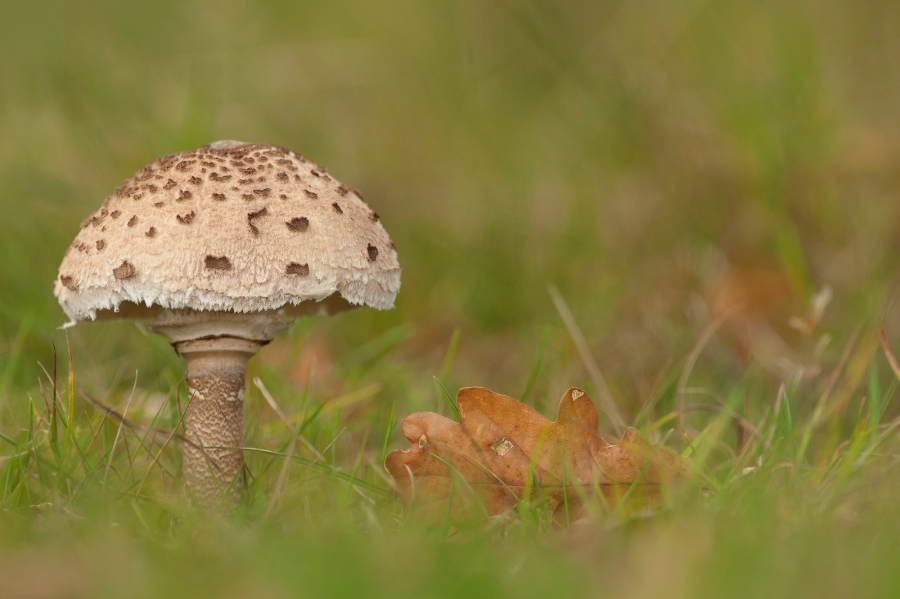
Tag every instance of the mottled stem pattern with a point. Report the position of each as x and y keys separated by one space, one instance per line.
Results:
x=214 y=424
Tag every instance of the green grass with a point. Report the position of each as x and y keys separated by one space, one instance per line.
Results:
x=807 y=506
x=615 y=152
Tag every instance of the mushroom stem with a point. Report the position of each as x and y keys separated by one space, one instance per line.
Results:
x=213 y=460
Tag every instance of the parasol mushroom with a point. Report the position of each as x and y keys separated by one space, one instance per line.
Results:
x=219 y=249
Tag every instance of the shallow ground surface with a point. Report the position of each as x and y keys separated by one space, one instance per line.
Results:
x=705 y=193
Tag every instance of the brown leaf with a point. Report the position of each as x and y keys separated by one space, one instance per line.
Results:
x=493 y=447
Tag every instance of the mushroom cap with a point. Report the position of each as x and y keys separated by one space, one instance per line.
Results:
x=233 y=227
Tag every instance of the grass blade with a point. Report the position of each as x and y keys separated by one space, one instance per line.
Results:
x=392 y=420
x=451 y=353
x=70 y=410
x=17 y=344
x=536 y=363
x=447 y=397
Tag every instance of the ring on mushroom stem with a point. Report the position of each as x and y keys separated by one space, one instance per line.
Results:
x=222 y=278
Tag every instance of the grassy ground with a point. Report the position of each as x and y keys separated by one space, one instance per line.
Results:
x=657 y=163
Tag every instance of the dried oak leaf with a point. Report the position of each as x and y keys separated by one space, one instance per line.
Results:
x=496 y=440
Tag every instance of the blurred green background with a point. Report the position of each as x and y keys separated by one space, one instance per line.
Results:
x=602 y=147
x=656 y=161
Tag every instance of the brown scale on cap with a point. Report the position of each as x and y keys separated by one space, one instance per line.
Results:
x=310 y=194
x=283 y=176
x=196 y=180
x=124 y=271
x=151 y=232
x=252 y=215
x=337 y=208
x=132 y=221
x=220 y=197
x=263 y=193
x=298 y=224
x=68 y=283
x=115 y=214
x=372 y=251
x=101 y=243
x=165 y=162
x=295 y=268
x=185 y=219
x=217 y=263
x=184 y=195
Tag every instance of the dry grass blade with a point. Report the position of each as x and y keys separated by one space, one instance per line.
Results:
x=292 y=446
x=607 y=404
x=836 y=373
x=892 y=360
x=151 y=431
x=112 y=451
x=740 y=420
x=692 y=358
x=165 y=444
x=295 y=431
x=70 y=412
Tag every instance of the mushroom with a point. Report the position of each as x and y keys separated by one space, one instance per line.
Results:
x=219 y=249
